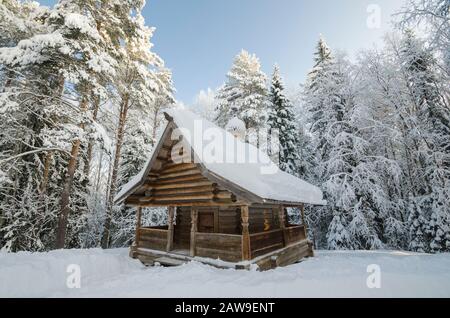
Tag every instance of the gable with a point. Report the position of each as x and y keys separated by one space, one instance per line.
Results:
x=169 y=182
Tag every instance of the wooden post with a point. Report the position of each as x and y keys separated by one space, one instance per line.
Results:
x=194 y=216
x=138 y=224
x=302 y=209
x=246 y=252
x=282 y=223
x=170 y=228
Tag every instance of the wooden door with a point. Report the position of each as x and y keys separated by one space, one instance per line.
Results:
x=206 y=222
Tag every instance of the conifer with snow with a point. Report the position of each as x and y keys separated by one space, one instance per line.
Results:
x=244 y=94
x=282 y=119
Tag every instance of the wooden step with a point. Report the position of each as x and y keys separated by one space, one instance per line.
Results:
x=169 y=261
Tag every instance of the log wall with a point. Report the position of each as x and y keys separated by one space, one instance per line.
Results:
x=230 y=220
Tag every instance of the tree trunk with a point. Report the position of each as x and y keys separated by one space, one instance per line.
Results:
x=99 y=172
x=87 y=166
x=67 y=188
x=115 y=169
x=47 y=162
x=9 y=77
x=49 y=156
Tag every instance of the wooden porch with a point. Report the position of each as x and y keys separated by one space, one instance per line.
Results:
x=226 y=237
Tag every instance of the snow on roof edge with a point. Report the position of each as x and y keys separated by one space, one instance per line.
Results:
x=314 y=195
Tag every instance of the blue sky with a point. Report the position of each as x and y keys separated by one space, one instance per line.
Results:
x=199 y=38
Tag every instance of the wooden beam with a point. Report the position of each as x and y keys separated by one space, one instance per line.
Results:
x=246 y=252
x=282 y=221
x=200 y=189
x=302 y=210
x=138 y=223
x=191 y=178
x=178 y=168
x=193 y=196
x=223 y=195
x=178 y=185
x=171 y=213
x=208 y=203
x=175 y=175
x=194 y=216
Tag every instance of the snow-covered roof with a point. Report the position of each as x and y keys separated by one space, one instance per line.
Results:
x=238 y=163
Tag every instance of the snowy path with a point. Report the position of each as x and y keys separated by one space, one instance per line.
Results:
x=331 y=274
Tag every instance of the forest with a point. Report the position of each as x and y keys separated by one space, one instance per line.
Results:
x=82 y=95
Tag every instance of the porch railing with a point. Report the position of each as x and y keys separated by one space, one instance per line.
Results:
x=265 y=242
x=227 y=247
x=152 y=237
x=294 y=234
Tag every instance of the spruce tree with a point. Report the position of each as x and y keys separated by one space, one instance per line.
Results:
x=432 y=120
x=282 y=119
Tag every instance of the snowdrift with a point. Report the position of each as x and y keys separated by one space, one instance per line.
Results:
x=112 y=273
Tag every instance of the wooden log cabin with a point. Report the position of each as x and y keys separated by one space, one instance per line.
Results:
x=227 y=212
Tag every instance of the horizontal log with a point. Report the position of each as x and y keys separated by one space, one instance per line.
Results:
x=186 y=204
x=159 y=245
x=264 y=234
x=218 y=236
x=223 y=195
x=152 y=230
x=229 y=256
x=162 y=234
x=262 y=240
x=182 y=159
x=294 y=234
x=198 y=189
x=161 y=186
x=293 y=254
x=178 y=168
x=266 y=249
x=174 y=175
x=195 y=196
x=191 y=178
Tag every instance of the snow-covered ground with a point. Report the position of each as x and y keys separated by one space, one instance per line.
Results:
x=112 y=273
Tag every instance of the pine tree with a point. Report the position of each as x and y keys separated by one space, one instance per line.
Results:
x=58 y=68
x=244 y=95
x=141 y=86
x=282 y=120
